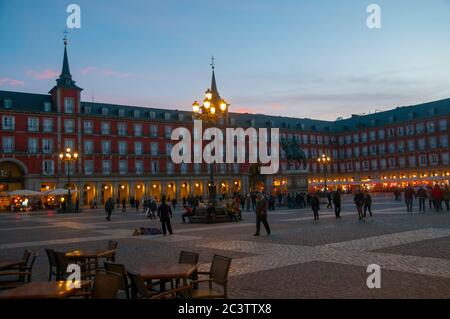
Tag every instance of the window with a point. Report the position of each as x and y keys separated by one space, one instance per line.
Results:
x=443 y=125
x=348 y=153
x=69 y=126
x=348 y=139
x=197 y=168
x=374 y=164
x=106 y=128
x=47 y=125
x=383 y=163
x=431 y=127
x=420 y=128
x=392 y=162
x=365 y=165
x=381 y=134
x=356 y=151
x=410 y=130
x=88 y=147
x=122 y=129
x=47 y=146
x=33 y=124
x=88 y=127
x=68 y=142
x=48 y=167
x=168 y=149
x=181 y=117
x=432 y=142
x=169 y=168
x=155 y=167
x=137 y=129
x=183 y=168
x=123 y=167
x=412 y=161
x=139 y=166
x=106 y=167
x=47 y=107
x=445 y=158
x=68 y=105
x=8 y=122
x=168 y=132
x=152 y=114
x=365 y=151
x=313 y=139
x=401 y=161
x=88 y=167
x=136 y=113
x=391 y=147
x=391 y=132
x=138 y=148
x=122 y=148
x=421 y=144
x=373 y=149
x=7 y=103
x=401 y=146
x=433 y=159
x=33 y=145
x=154 y=149
x=167 y=116
x=106 y=147
x=422 y=160
x=400 y=131
x=364 y=137
x=411 y=145
x=87 y=109
x=372 y=136
x=443 y=140
x=153 y=130
x=355 y=138
x=104 y=110
x=121 y=112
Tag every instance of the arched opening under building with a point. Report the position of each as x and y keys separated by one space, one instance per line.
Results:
x=106 y=193
x=88 y=194
x=184 y=190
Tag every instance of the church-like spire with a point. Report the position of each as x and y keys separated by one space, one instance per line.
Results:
x=214 y=91
x=65 y=78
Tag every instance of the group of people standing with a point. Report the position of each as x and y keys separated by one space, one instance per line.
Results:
x=436 y=196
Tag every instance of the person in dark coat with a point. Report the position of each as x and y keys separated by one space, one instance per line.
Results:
x=337 y=203
x=422 y=195
x=165 y=214
x=358 y=199
x=109 y=207
x=315 y=205
x=261 y=214
x=124 y=205
x=409 y=198
x=329 y=205
x=367 y=204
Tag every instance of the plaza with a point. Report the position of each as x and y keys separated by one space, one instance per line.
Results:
x=301 y=259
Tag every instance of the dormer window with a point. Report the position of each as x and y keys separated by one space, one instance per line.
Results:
x=68 y=105
x=152 y=114
x=121 y=112
x=167 y=116
x=47 y=106
x=181 y=117
x=104 y=110
x=7 y=103
x=251 y=122
x=136 y=114
x=87 y=109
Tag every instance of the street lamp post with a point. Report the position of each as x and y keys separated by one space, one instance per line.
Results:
x=212 y=109
x=324 y=160
x=68 y=157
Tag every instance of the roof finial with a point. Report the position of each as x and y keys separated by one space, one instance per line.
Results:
x=212 y=62
x=65 y=37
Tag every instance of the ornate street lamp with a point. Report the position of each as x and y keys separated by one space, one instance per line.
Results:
x=211 y=111
x=68 y=157
x=324 y=161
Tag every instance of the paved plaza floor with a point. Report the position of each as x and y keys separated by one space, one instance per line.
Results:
x=301 y=259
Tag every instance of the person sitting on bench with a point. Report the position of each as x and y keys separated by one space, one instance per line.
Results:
x=188 y=213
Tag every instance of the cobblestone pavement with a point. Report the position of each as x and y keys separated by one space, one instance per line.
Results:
x=301 y=259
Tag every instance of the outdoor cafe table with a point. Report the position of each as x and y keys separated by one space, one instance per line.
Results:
x=43 y=290
x=89 y=255
x=168 y=271
x=8 y=264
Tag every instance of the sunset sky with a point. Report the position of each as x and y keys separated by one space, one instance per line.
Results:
x=302 y=58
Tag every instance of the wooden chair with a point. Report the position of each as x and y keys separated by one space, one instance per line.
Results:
x=106 y=285
x=218 y=275
x=190 y=258
x=22 y=274
x=111 y=256
x=121 y=271
x=138 y=287
x=53 y=269
x=181 y=293
x=61 y=267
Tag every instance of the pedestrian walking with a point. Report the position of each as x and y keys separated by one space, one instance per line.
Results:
x=165 y=214
x=109 y=207
x=137 y=205
x=422 y=196
x=124 y=205
x=329 y=205
x=367 y=204
x=261 y=214
x=446 y=197
x=436 y=193
x=409 y=198
x=358 y=199
x=152 y=209
x=315 y=205
x=337 y=203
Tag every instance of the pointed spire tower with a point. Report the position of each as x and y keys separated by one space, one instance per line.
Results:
x=214 y=91
x=65 y=88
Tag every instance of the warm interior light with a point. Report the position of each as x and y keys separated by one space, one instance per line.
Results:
x=139 y=186
x=170 y=185
x=106 y=187
x=122 y=186
x=154 y=185
x=47 y=187
x=197 y=184
x=88 y=188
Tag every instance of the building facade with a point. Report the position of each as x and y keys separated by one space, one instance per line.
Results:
x=125 y=150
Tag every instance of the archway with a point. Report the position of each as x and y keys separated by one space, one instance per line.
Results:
x=12 y=173
x=155 y=191
x=171 y=191
x=198 y=188
x=256 y=180
x=88 y=194
x=106 y=193
x=184 y=190
x=139 y=191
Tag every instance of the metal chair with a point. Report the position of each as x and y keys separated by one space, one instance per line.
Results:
x=53 y=269
x=218 y=275
x=112 y=246
x=139 y=288
x=106 y=285
x=62 y=262
x=180 y=293
x=23 y=273
x=121 y=271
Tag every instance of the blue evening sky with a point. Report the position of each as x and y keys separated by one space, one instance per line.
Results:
x=303 y=58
